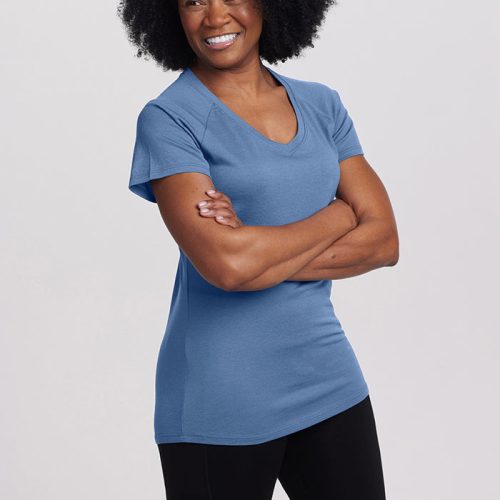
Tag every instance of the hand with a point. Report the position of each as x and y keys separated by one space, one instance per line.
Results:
x=346 y=212
x=221 y=208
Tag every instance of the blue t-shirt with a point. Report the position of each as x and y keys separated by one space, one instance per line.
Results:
x=247 y=367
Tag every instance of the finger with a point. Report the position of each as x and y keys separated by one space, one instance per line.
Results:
x=219 y=195
x=225 y=221
x=233 y=222
x=214 y=193
x=225 y=217
x=212 y=204
x=215 y=212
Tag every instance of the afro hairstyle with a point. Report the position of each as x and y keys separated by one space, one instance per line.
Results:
x=154 y=27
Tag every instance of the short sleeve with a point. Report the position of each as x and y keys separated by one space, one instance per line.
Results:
x=344 y=136
x=164 y=146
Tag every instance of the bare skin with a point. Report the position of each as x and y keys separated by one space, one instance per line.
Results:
x=371 y=245
x=227 y=253
x=236 y=75
x=229 y=257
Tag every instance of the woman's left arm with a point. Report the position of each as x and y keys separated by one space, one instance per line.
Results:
x=374 y=243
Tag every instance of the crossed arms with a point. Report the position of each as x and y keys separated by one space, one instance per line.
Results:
x=355 y=234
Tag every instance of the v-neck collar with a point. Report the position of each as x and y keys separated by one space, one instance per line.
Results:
x=296 y=140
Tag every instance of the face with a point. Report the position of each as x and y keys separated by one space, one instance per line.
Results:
x=202 y=19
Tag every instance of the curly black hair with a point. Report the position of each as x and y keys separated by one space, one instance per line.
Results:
x=155 y=28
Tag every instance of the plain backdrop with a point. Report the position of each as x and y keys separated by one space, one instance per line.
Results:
x=87 y=268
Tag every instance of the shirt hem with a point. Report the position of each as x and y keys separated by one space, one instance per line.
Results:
x=289 y=429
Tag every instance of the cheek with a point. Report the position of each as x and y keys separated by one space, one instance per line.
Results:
x=250 y=17
x=190 y=25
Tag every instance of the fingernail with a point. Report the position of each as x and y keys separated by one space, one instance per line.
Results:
x=203 y=210
x=202 y=203
x=210 y=191
x=220 y=217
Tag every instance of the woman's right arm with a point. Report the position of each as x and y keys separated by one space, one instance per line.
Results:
x=229 y=257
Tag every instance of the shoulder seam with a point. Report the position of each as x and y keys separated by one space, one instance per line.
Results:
x=170 y=110
x=206 y=123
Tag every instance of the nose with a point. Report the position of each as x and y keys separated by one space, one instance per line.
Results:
x=216 y=14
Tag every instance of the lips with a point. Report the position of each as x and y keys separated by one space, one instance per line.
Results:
x=222 y=44
x=222 y=34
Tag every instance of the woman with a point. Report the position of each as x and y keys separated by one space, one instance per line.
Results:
x=256 y=379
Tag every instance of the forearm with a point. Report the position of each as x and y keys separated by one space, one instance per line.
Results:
x=272 y=253
x=368 y=246
x=279 y=273
x=371 y=245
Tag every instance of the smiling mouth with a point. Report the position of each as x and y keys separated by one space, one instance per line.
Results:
x=222 y=41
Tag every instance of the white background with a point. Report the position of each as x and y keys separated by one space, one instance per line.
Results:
x=87 y=267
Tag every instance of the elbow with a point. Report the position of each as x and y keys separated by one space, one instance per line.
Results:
x=228 y=282
x=241 y=264
x=391 y=256
x=235 y=275
x=386 y=253
x=236 y=263
x=227 y=274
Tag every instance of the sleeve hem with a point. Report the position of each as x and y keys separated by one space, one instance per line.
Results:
x=142 y=186
x=350 y=152
x=158 y=174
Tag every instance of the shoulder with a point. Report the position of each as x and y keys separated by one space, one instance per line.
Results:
x=312 y=91
x=323 y=102
x=178 y=104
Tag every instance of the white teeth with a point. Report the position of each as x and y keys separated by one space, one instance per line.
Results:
x=223 y=38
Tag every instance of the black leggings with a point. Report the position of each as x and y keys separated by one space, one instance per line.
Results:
x=335 y=459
